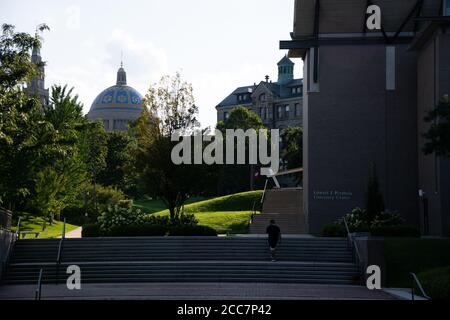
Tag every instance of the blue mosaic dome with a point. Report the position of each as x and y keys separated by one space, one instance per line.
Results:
x=118 y=96
x=116 y=106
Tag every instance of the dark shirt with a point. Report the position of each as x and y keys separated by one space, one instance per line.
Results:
x=274 y=234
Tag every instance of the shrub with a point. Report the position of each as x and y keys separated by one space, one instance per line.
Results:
x=90 y=230
x=84 y=210
x=373 y=196
x=144 y=230
x=187 y=230
x=436 y=283
x=106 y=196
x=395 y=231
x=118 y=216
x=77 y=215
x=387 y=219
x=333 y=230
x=184 y=219
x=356 y=221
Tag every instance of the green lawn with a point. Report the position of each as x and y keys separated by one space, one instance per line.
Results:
x=235 y=222
x=34 y=224
x=229 y=213
x=404 y=255
x=157 y=205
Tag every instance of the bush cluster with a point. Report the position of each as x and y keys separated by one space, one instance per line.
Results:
x=122 y=220
x=150 y=230
x=386 y=223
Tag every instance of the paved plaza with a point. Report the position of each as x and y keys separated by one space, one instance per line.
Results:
x=196 y=291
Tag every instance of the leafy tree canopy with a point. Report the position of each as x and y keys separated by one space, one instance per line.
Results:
x=438 y=135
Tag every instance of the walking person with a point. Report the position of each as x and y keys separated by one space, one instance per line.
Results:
x=274 y=238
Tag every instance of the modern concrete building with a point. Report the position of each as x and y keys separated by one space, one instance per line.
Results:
x=365 y=95
x=116 y=106
x=279 y=104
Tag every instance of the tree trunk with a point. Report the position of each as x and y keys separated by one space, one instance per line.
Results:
x=172 y=213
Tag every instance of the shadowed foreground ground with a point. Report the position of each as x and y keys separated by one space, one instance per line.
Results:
x=195 y=291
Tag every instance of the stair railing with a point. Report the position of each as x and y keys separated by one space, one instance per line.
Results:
x=11 y=244
x=60 y=250
x=264 y=191
x=354 y=247
x=415 y=281
x=37 y=294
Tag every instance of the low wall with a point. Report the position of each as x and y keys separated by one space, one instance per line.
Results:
x=5 y=240
x=371 y=250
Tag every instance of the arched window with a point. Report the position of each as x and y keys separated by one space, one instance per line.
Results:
x=262 y=97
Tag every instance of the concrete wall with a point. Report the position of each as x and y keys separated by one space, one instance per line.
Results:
x=5 y=239
x=348 y=16
x=352 y=121
x=434 y=173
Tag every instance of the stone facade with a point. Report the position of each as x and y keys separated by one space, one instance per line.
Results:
x=278 y=104
x=37 y=85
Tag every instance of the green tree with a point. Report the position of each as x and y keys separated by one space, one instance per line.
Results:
x=24 y=134
x=118 y=160
x=170 y=106
x=93 y=150
x=238 y=177
x=241 y=118
x=292 y=152
x=57 y=188
x=374 y=197
x=172 y=102
x=438 y=135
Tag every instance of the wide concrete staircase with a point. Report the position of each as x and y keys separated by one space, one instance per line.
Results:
x=285 y=206
x=182 y=259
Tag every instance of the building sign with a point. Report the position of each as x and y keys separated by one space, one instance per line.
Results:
x=332 y=195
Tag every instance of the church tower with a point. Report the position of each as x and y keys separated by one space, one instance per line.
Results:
x=37 y=85
x=285 y=70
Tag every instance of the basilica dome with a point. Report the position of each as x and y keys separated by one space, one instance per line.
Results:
x=116 y=106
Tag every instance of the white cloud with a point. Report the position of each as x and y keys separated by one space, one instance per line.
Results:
x=96 y=68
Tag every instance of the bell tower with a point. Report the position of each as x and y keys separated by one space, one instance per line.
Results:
x=37 y=85
x=285 y=70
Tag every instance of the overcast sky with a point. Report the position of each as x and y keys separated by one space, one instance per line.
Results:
x=217 y=45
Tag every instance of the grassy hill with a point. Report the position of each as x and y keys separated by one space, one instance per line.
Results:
x=32 y=223
x=225 y=214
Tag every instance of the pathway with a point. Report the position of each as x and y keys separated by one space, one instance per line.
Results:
x=76 y=233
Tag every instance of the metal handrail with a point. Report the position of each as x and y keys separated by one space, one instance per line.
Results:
x=18 y=229
x=37 y=295
x=419 y=285
x=264 y=192
x=12 y=241
x=60 y=249
x=353 y=244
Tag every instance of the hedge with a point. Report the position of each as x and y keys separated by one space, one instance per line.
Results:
x=90 y=230
x=436 y=283
x=192 y=231
x=149 y=230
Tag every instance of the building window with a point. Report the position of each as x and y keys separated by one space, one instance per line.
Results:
x=262 y=97
x=297 y=110
x=226 y=115
x=280 y=112
x=286 y=111
x=446 y=7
